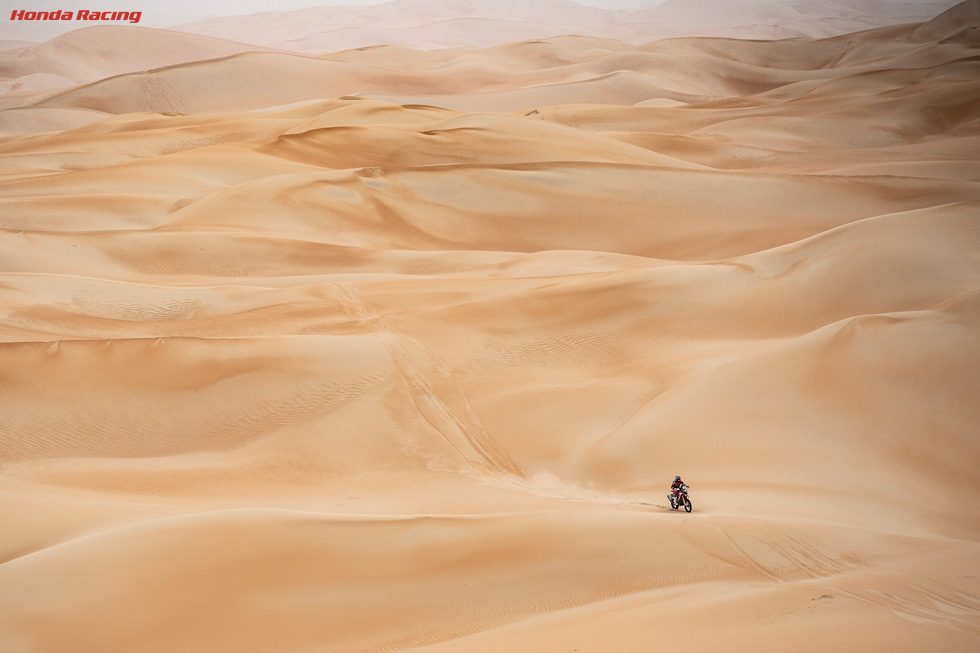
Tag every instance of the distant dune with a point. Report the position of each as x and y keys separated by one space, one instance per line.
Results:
x=13 y=45
x=94 y=53
x=395 y=349
x=485 y=23
x=515 y=77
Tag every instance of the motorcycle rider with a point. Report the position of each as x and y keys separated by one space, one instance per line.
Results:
x=675 y=488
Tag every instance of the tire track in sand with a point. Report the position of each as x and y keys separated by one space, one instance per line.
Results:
x=438 y=399
x=921 y=606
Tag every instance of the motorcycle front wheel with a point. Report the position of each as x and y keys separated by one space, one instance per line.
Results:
x=687 y=504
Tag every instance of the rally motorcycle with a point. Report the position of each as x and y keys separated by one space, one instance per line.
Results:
x=680 y=500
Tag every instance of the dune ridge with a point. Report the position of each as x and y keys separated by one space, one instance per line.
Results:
x=483 y=24
x=514 y=77
x=391 y=349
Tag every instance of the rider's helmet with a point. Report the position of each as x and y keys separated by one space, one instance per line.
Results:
x=677 y=478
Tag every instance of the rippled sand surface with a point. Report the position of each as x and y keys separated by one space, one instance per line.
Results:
x=399 y=350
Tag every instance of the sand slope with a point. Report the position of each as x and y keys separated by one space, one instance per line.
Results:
x=484 y=23
x=94 y=53
x=515 y=77
x=291 y=359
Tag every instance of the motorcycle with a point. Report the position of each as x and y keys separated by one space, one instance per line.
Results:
x=680 y=500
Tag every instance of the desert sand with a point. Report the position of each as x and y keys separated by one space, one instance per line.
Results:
x=390 y=349
x=431 y=24
x=486 y=23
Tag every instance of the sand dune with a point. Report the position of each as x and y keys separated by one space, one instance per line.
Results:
x=391 y=349
x=481 y=23
x=9 y=44
x=515 y=77
x=94 y=53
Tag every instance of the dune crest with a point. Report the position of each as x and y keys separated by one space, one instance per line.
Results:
x=395 y=349
x=93 y=53
x=486 y=23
